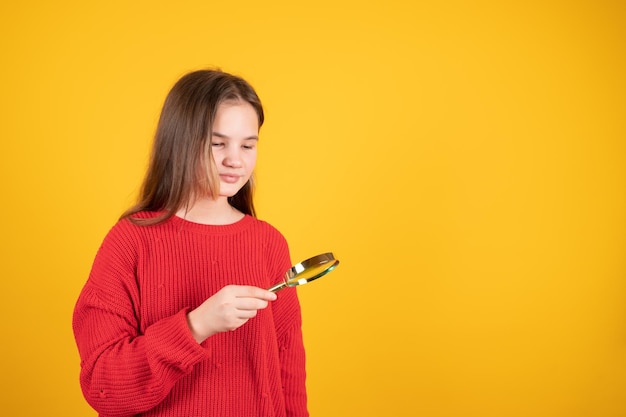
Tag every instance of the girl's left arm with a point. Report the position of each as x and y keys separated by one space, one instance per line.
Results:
x=291 y=352
x=288 y=322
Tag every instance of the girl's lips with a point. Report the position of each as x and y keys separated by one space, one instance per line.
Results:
x=229 y=178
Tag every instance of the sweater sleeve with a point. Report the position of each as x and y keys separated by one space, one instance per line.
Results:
x=125 y=371
x=288 y=321
x=292 y=356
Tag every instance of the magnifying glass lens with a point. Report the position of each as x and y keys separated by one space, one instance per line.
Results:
x=307 y=271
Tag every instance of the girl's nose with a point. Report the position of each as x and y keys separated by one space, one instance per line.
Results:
x=232 y=159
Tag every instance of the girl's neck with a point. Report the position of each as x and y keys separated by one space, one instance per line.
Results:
x=209 y=211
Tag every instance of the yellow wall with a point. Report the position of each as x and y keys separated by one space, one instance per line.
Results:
x=465 y=161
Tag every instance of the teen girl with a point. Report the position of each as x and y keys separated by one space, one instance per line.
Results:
x=175 y=319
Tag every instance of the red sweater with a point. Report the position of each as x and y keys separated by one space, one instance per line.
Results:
x=138 y=357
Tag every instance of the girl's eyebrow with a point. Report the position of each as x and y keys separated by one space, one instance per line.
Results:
x=223 y=136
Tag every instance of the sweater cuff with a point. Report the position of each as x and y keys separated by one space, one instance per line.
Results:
x=171 y=341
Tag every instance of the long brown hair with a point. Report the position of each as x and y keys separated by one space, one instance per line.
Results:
x=181 y=165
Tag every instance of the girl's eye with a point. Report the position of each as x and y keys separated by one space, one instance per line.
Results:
x=248 y=146
x=216 y=144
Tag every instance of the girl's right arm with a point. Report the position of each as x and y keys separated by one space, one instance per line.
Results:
x=125 y=371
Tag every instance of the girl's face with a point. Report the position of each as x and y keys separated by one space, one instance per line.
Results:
x=234 y=145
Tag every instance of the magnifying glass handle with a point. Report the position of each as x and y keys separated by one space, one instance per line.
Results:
x=278 y=287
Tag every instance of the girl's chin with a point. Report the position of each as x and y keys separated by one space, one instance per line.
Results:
x=227 y=195
x=229 y=190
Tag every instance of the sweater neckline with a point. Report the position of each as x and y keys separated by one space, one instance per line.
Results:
x=212 y=229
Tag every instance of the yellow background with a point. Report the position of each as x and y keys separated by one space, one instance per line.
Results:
x=464 y=160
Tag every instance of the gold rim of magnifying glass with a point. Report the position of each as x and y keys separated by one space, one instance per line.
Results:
x=303 y=266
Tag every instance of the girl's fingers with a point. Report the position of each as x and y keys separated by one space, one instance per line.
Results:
x=254 y=292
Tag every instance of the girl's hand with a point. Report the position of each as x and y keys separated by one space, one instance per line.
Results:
x=227 y=310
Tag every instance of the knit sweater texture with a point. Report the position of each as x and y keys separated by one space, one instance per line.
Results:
x=138 y=356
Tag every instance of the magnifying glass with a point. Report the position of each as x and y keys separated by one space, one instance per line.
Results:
x=307 y=271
